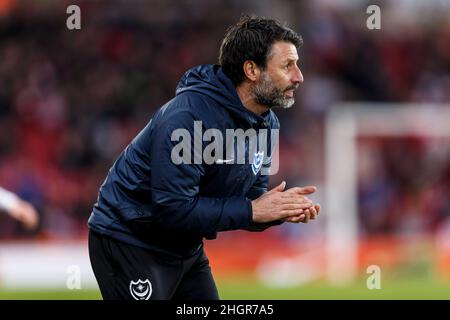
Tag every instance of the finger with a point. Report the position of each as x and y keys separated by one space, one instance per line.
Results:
x=297 y=219
x=295 y=199
x=278 y=188
x=294 y=219
x=296 y=206
x=303 y=190
x=317 y=206
x=307 y=215
x=313 y=212
x=284 y=214
x=294 y=196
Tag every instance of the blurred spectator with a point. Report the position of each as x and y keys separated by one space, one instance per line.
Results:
x=17 y=208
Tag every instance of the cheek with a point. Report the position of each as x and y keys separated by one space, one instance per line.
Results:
x=284 y=77
x=284 y=82
x=280 y=79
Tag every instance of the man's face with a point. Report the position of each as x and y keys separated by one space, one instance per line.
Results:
x=277 y=82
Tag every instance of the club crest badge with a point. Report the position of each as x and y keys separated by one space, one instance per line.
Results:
x=141 y=290
x=257 y=162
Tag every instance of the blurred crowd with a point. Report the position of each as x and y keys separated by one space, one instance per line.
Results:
x=70 y=101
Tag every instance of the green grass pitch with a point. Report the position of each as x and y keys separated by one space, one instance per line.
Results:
x=242 y=289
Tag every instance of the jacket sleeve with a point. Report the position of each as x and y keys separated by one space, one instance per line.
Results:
x=176 y=204
x=259 y=188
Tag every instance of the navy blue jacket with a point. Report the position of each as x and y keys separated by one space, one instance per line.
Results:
x=150 y=202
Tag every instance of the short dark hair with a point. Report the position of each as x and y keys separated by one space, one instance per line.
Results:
x=252 y=39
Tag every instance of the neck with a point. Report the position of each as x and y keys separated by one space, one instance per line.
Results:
x=248 y=100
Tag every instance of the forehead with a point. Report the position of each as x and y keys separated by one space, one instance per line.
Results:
x=282 y=51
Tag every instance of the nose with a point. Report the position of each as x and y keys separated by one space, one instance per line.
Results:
x=297 y=76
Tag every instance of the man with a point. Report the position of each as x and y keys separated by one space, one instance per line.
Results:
x=153 y=211
x=18 y=209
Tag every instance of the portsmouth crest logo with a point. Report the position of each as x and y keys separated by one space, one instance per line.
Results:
x=257 y=162
x=141 y=290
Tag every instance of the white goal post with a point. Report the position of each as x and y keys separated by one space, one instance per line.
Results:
x=344 y=124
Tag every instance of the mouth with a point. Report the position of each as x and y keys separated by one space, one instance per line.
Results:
x=289 y=93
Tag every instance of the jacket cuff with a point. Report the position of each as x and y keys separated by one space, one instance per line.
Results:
x=237 y=213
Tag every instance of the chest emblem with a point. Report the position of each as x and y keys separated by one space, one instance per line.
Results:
x=257 y=162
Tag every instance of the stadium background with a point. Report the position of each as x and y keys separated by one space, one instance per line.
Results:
x=71 y=100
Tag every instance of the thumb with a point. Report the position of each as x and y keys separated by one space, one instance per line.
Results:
x=279 y=188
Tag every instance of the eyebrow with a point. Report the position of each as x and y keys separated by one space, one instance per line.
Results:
x=291 y=60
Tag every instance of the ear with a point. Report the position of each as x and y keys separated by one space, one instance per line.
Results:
x=251 y=70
